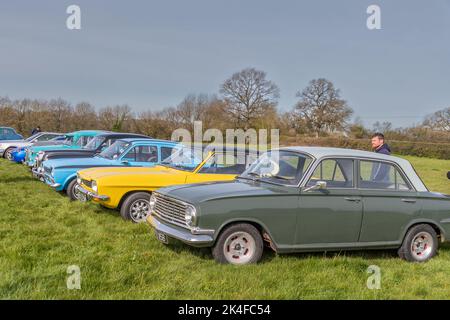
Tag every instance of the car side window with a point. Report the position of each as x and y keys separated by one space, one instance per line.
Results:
x=142 y=154
x=381 y=175
x=337 y=173
x=45 y=137
x=224 y=164
x=107 y=143
x=166 y=152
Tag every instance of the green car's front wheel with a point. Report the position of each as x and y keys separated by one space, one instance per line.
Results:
x=239 y=244
x=136 y=207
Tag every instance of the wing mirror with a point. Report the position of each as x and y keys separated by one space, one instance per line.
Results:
x=320 y=185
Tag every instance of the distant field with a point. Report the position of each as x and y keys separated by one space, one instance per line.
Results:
x=42 y=233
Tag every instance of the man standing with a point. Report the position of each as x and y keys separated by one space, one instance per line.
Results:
x=378 y=144
x=380 y=171
x=36 y=130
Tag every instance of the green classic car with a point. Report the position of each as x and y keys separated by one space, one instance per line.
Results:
x=300 y=199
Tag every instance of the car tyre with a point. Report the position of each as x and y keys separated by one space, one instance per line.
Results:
x=71 y=192
x=136 y=207
x=239 y=244
x=420 y=244
x=8 y=154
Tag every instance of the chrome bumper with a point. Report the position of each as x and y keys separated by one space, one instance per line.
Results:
x=37 y=173
x=186 y=236
x=50 y=181
x=89 y=194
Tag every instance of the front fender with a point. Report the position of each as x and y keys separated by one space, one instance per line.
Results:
x=255 y=222
x=68 y=180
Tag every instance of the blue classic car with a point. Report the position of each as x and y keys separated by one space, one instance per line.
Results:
x=18 y=154
x=74 y=140
x=7 y=147
x=7 y=133
x=60 y=174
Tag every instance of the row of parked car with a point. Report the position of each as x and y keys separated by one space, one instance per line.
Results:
x=294 y=199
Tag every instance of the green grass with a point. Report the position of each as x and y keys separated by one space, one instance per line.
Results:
x=42 y=233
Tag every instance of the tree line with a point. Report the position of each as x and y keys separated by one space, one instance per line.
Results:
x=245 y=100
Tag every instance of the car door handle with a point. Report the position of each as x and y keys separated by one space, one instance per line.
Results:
x=353 y=199
x=409 y=200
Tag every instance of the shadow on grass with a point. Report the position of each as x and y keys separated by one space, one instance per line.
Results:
x=179 y=247
x=268 y=255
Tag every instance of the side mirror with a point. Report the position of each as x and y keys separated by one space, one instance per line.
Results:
x=320 y=185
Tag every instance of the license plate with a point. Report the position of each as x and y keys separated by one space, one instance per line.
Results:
x=162 y=237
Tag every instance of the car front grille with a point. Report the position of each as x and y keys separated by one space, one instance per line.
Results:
x=87 y=183
x=170 y=209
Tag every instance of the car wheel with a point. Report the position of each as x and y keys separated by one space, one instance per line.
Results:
x=72 y=192
x=239 y=244
x=136 y=207
x=420 y=244
x=8 y=154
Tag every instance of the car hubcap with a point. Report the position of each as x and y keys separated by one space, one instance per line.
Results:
x=422 y=246
x=9 y=155
x=239 y=248
x=77 y=194
x=139 y=210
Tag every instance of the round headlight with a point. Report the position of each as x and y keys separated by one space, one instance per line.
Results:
x=78 y=179
x=152 y=202
x=94 y=186
x=190 y=216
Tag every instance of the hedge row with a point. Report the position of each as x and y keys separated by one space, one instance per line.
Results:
x=411 y=148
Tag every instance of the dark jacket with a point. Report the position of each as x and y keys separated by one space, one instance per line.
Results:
x=384 y=149
x=380 y=171
x=35 y=130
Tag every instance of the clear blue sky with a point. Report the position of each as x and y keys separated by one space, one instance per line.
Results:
x=150 y=54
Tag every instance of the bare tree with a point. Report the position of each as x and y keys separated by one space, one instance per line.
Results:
x=200 y=107
x=84 y=116
x=382 y=127
x=248 y=95
x=321 y=108
x=114 y=118
x=61 y=112
x=440 y=120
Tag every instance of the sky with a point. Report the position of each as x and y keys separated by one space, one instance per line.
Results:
x=151 y=54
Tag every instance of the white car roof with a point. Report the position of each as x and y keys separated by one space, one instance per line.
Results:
x=320 y=152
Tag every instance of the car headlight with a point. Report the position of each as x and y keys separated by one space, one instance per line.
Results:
x=190 y=216
x=94 y=186
x=78 y=179
x=152 y=202
x=40 y=155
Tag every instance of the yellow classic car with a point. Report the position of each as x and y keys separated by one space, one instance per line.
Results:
x=129 y=188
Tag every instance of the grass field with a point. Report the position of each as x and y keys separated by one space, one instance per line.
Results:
x=42 y=233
